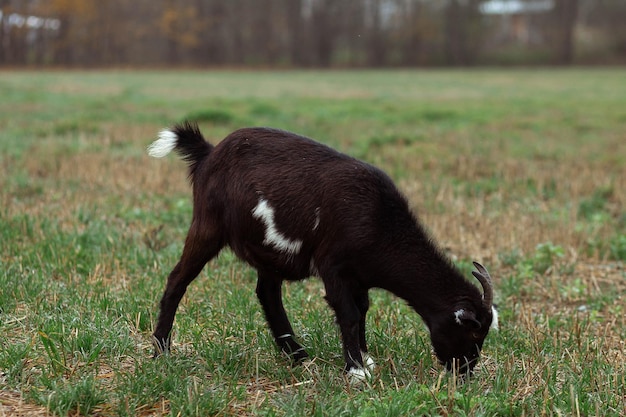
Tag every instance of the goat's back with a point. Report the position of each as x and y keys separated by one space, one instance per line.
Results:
x=311 y=197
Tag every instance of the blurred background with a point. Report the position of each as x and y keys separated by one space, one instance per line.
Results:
x=311 y=33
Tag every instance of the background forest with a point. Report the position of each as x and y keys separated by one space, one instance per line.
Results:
x=311 y=33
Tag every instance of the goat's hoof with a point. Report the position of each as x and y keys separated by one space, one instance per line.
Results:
x=292 y=349
x=298 y=356
x=358 y=376
x=161 y=347
x=158 y=353
x=368 y=362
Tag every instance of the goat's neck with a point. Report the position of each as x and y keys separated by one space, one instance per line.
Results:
x=431 y=285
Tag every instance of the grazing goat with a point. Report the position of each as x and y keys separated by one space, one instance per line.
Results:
x=293 y=208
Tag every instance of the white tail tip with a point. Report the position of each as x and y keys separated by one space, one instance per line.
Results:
x=163 y=145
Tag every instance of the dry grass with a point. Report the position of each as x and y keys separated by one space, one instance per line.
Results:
x=13 y=405
x=480 y=197
x=469 y=228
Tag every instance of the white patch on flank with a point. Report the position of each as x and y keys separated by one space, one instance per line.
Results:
x=165 y=143
x=494 y=322
x=317 y=218
x=457 y=316
x=264 y=212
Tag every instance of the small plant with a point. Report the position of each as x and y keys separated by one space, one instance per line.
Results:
x=80 y=397
x=526 y=269
x=594 y=207
x=545 y=256
x=511 y=258
x=613 y=249
x=617 y=248
x=573 y=289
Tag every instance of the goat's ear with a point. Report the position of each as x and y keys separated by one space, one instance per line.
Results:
x=466 y=318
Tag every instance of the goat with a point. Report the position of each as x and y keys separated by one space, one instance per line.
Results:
x=293 y=208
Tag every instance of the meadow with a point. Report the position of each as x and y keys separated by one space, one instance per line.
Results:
x=522 y=170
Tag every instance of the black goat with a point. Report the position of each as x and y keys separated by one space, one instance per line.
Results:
x=293 y=208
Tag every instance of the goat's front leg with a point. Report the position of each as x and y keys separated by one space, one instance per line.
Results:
x=340 y=297
x=269 y=292
x=362 y=301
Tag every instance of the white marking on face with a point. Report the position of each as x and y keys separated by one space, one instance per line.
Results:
x=317 y=218
x=165 y=143
x=264 y=212
x=494 y=322
x=457 y=316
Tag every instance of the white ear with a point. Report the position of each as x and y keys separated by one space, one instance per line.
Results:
x=494 y=322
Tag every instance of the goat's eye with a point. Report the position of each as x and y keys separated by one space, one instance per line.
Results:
x=476 y=336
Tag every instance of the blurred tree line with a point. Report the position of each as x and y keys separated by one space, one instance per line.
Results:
x=311 y=33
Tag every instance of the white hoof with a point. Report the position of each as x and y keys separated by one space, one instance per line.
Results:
x=357 y=376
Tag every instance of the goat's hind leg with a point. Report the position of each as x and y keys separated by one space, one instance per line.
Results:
x=196 y=253
x=269 y=292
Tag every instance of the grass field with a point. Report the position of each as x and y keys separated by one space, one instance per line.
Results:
x=523 y=170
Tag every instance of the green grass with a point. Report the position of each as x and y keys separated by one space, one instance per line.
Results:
x=523 y=170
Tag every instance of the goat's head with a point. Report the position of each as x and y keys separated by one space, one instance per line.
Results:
x=458 y=336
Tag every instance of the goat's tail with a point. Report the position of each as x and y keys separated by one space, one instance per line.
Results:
x=186 y=140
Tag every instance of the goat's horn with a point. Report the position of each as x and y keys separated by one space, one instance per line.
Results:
x=485 y=280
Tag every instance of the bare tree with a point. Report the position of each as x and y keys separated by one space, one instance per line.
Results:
x=296 y=32
x=376 y=39
x=301 y=32
x=564 y=15
x=462 y=31
x=323 y=21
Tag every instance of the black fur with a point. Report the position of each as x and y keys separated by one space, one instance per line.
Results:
x=356 y=232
